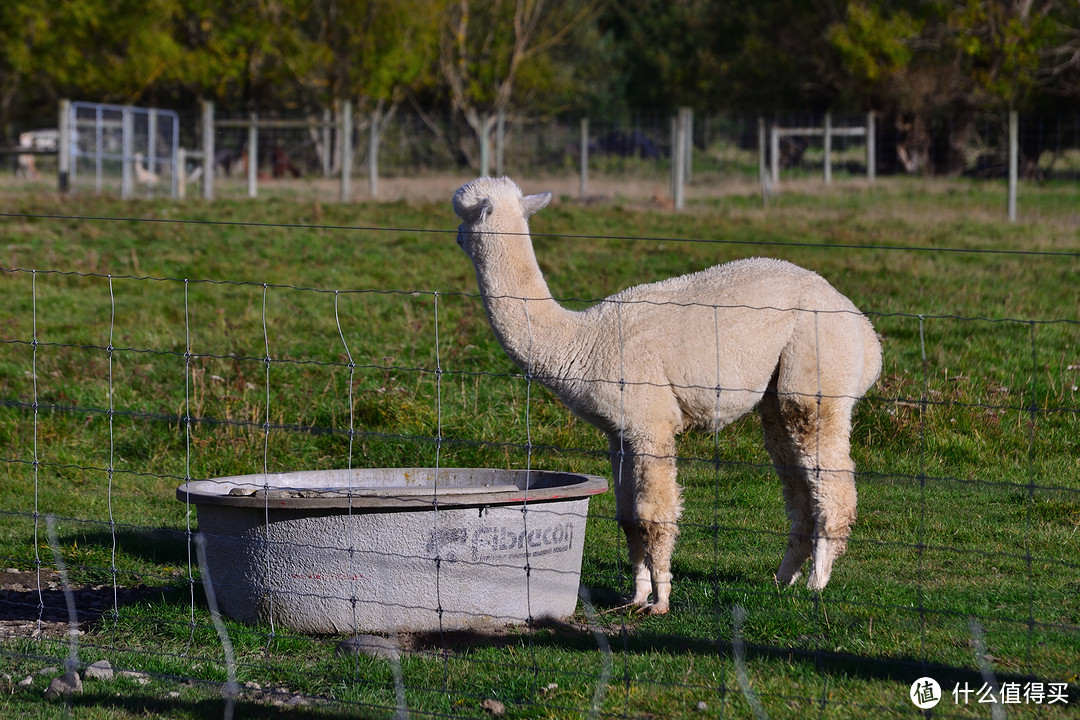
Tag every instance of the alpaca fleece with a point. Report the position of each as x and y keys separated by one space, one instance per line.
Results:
x=698 y=350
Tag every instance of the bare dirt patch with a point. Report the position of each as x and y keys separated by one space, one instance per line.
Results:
x=34 y=604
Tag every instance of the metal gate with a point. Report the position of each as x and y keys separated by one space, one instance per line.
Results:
x=123 y=148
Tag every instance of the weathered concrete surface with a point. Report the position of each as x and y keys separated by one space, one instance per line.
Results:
x=398 y=549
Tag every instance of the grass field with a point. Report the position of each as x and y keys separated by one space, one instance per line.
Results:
x=123 y=318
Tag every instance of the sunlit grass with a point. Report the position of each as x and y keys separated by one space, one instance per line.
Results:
x=277 y=341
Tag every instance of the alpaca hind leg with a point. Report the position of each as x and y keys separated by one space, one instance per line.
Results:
x=780 y=442
x=657 y=510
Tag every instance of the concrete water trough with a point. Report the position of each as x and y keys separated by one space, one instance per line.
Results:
x=394 y=549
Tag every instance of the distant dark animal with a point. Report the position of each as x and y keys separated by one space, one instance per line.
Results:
x=281 y=163
x=225 y=159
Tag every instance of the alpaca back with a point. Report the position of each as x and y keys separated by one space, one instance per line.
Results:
x=710 y=342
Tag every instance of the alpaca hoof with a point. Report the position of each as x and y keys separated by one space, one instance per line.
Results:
x=653 y=609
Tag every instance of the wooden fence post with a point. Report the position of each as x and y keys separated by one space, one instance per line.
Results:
x=253 y=156
x=325 y=156
x=871 y=148
x=485 y=144
x=828 y=148
x=1014 y=153
x=500 y=140
x=345 y=143
x=583 y=188
x=774 y=156
x=763 y=160
x=686 y=117
x=180 y=174
x=208 y=149
x=63 y=146
x=678 y=160
x=373 y=153
x=126 y=153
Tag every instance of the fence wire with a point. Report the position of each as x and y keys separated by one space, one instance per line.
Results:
x=962 y=566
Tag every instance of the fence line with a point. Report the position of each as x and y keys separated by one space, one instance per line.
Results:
x=682 y=156
x=130 y=381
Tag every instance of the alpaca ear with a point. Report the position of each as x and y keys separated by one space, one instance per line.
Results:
x=532 y=203
x=483 y=209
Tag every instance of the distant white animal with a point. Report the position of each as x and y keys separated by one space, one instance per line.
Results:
x=25 y=165
x=697 y=350
x=142 y=175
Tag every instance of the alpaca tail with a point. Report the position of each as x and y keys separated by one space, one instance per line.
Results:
x=871 y=356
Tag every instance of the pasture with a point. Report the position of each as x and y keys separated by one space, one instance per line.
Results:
x=151 y=341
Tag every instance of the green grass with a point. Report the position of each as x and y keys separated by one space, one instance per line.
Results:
x=968 y=447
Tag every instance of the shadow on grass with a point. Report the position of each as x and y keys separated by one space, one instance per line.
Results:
x=133 y=705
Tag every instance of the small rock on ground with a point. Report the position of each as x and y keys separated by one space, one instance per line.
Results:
x=496 y=708
x=139 y=677
x=67 y=684
x=101 y=670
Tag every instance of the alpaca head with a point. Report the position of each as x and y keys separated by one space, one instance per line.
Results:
x=493 y=207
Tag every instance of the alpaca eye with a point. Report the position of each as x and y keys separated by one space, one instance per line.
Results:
x=461 y=237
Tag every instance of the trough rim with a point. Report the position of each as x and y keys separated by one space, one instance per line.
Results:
x=543 y=486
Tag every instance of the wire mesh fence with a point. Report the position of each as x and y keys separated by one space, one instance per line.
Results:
x=298 y=155
x=118 y=388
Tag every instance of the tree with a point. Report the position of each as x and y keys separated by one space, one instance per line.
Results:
x=250 y=53
x=932 y=67
x=491 y=50
x=112 y=51
x=374 y=53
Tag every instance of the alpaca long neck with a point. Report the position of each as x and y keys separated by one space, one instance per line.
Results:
x=527 y=321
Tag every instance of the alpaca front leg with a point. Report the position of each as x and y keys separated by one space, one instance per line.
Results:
x=622 y=466
x=784 y=448
x=835 y=506
x=642 y=578
x=799 y=540
x=657 y=511
x=659 y=540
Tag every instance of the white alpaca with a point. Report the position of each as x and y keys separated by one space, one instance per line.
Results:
x=698 y=350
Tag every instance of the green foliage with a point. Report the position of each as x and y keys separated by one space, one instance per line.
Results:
x=874 y=47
